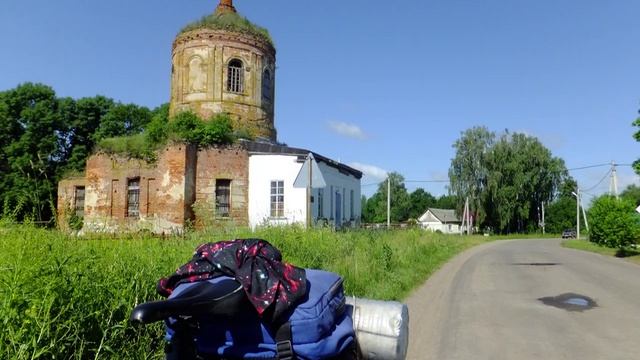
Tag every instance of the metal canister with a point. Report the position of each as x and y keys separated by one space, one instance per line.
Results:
x=382 y=328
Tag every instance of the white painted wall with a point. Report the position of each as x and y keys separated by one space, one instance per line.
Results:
x=445 y=228
x=266 y=168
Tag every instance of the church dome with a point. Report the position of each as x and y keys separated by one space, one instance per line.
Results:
x=225 y=64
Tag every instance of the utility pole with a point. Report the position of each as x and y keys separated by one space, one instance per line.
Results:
x=613 y=184
x=309 y=187
x=389 y=203
x=584 y=215
x=543 y=224
x=578 y=213
x=464 y=218
x=468 y=218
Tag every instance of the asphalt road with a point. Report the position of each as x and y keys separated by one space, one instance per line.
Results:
x=485 y=304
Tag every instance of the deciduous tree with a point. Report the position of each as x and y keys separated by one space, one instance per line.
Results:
x=468 y=171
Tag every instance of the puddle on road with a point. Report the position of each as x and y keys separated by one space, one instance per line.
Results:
x=570 y=302
x=536 y=264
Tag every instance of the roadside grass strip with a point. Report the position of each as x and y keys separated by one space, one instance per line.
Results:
x=631 y=255
x=65 y=297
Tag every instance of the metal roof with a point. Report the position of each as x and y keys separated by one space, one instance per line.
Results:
x=270 y=148
x=445 y=215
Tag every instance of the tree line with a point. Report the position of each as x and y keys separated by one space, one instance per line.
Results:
x=405 y=206
x=44 y=137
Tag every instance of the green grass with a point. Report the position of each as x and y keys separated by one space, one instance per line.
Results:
x=230 y=21
x=629 y=255
x=68 y=298
x=133 y=146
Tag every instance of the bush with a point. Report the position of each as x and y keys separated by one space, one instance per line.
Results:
x=614 y=223
x=133 y=146
x=185 y=127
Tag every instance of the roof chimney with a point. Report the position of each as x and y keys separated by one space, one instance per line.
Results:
x=225 y=6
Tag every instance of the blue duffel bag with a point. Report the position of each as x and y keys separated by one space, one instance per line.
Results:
x=318 y=327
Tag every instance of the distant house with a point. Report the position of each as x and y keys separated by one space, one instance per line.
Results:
x=444 y=220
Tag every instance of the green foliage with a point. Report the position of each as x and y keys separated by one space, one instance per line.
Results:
x=156 y=131
x=614 y=223
x=561 y=215
x=419 y=201
x=631 y=255
x=636 y=135
x=468 y=172
x=29 y=149
x=45 y=137
x=123 y=120
x=405 y=207
x=74 y=221
x=230 y=21
x=446 y=202
x=632 y=193
x=506 y=180
x=68 y=298
x=132 y=146
x=375 y=210
x=184 y=127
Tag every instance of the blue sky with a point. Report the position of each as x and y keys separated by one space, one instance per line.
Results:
x=384 y=86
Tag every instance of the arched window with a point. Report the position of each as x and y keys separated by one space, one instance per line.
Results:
x=267 y=86
x=235 y=76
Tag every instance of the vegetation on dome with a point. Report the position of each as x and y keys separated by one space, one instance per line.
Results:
x=230 y=21
x=185 y=127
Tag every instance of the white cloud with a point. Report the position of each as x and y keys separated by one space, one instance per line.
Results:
x=346 y=129
x=373 y=172
x=552 y=141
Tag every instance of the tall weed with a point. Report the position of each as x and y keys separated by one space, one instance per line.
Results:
x=63 y=297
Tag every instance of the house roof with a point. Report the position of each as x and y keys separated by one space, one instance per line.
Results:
x=444 y=215
x=270 y=148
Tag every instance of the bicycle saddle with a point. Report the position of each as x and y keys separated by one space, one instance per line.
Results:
x=218 y=297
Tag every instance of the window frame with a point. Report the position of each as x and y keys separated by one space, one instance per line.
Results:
x=235 y=76
x=276 y=199
x=133 y=190
x=219 y=187
x=79 y=211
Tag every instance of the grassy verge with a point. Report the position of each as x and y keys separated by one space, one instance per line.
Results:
x=68 y=298
x=629 y=255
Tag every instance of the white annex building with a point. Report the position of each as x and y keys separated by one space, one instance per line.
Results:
x=278 y=186
x=443 y=220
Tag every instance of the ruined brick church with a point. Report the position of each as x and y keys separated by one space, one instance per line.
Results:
x=220 y=64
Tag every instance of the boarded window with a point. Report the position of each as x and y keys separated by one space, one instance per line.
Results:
x=78 y=201
x=235 y=76
x=320 y=203
x=133 y=197
x=267 y=86
x=223 y=197
x=277 y=199
x=351 y=206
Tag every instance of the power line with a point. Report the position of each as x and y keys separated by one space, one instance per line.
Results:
x=589 y=167
x=599 y=182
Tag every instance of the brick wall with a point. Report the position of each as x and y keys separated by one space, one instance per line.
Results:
x=222 y=163
x=180 y=187
x=67 y=200
x=165 y=191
